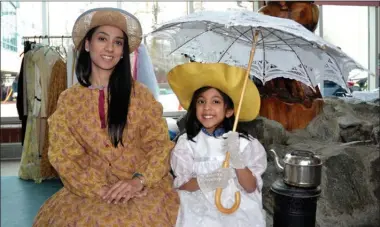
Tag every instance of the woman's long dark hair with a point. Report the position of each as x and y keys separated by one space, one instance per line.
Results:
x=119 y=88
x=193 y=126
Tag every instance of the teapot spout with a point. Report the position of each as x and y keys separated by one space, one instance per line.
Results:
x=279 y=167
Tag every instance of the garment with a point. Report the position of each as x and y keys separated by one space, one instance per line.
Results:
x=44 y=58
x=143 y=70
x=81 y=152
x=30 y=161
x=57 y=85
x=39 y=63
x=20 y=101
x=70 y=66
x=21 y=96
x=203 y=156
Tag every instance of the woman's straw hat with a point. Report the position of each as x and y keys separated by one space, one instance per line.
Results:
x=121 y=19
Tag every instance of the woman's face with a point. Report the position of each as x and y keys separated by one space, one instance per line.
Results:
x=105 y=47
x=211 y=109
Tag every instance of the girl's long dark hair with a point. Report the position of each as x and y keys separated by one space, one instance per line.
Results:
x=119 y=88
x=193 y=126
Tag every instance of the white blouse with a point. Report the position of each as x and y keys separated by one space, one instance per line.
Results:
x=188 y=159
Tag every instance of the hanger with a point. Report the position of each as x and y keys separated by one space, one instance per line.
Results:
x=63 y=53
x=26 y=42
x=35 y=46
x=49 y=48
x=31 y=45
x=64 y=49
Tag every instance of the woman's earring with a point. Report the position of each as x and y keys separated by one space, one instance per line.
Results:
x=86 y=49
x=121 y=56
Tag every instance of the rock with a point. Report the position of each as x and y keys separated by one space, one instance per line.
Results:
x=348 y=120
x=342 y=121
x=356 y=133
x=375 y=179
x=367 y=111
x=375 y=135
x=325 y=127
x=265 y=130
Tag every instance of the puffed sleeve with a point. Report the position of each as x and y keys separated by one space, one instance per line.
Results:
x=182 y=162
x=155 y=141
x=255 y=158
x=68 y=157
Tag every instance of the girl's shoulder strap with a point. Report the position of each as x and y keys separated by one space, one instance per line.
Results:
x=246 y=136
x=180 y=134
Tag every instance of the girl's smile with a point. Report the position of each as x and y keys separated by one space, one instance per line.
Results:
x=211 y=109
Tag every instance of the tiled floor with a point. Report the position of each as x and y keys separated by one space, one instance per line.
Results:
x=10 y=168
x=20 y=199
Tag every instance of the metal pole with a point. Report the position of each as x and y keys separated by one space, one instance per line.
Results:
x=378 y=46
x=320 y=22
x=191 y=7
x=255 y=6
x=373 y=42
x=320 y=29
x=45 y=20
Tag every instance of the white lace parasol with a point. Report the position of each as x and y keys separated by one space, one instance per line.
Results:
x=285 y=48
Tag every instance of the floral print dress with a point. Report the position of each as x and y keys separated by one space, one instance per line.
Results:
x=81 y=152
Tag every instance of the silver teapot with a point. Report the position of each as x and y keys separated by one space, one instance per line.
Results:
x=301 y=168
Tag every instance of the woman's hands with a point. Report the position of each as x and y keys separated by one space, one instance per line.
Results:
x=122 y=191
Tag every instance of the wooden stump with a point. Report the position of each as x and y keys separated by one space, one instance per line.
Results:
x=290 y=115
x=289 y=102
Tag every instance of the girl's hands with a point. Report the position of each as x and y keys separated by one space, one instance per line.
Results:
x=217 y=179
x=233 y=146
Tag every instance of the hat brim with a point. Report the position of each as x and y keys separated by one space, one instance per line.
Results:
x=119 y=18
x=185 y=79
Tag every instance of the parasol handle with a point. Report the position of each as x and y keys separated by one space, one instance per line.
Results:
x=226 y=164
x=253 y=49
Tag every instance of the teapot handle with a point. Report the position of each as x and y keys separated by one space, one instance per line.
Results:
x=303 y=153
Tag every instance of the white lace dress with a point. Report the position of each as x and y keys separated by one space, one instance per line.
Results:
x=189 y=159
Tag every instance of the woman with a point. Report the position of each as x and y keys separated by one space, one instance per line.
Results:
x=108 y=140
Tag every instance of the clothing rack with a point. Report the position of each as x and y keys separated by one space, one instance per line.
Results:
x=27 y=38
x=46 y=37
x=32 y=40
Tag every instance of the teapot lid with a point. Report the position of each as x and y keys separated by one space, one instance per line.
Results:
x=302 y=158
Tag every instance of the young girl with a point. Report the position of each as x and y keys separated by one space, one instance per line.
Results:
x=211 y=93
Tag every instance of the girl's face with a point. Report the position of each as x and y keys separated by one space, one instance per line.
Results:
x=105 y=47
x=211 y=109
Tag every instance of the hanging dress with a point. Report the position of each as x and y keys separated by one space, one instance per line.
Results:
x=39 y=64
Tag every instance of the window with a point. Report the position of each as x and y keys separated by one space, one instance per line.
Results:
x=150 y=14
x=347 y=27
x=159 y=49
x=8 y=26
x=59 y=25
x=221 y=6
